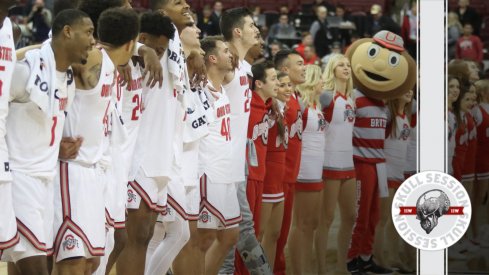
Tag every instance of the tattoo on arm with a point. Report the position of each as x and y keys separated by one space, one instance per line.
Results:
x=93 y=76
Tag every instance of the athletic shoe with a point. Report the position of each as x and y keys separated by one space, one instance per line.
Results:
x=353 y=267
x=371 y=267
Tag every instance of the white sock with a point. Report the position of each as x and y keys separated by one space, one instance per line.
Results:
x=365 y=257
x=177 y=235
x=158 y=236
x=109 y=246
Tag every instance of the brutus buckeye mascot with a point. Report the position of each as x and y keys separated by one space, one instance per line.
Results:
x=382 y=69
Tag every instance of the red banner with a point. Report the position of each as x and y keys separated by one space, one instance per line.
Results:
x=411 y=210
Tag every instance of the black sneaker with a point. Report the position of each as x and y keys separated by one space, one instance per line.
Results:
x=371 y=267
x=354 y=268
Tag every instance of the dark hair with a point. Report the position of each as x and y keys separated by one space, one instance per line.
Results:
x=281 y=74
x=231 y=19
x=457 y=105
x=113 y=21
x=158 y=4
x=209 y=45
x=67 y=17
x=157 y=24
x=281 y=58
x=94 y=9
x=61 y=5
x=259 y=71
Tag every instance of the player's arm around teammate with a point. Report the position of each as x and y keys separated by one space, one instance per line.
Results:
x=9 y=235
x=147 y=192
x=33 y=157
x=80 y=229
x=309 y=180
x=338 y=170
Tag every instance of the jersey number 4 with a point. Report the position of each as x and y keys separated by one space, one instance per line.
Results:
x=226 y=128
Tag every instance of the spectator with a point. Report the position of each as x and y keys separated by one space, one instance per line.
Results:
x=208 y=23
x=455 y=30
x=258 y=17
x=41 y=19
x=378 y=21
x=323 y=3
x=284 y=9
x=60 y=5
x=409 y=30
x=335 y=49
x=217 y=9
x=342 y=32
x=310 y=57
x=306 y=41
x=467 y=14
x=469 y=46
x=282 y=29
x=275 y=47
x=320 y=32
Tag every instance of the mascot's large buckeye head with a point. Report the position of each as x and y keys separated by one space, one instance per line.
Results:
x=381 y=67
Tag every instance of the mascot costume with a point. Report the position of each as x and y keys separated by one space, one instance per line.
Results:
x=381 y=69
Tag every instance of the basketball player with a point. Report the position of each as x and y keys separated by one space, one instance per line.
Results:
x=8 y=228
x=183 y=196
x=79 y=196
x=293 y=64
x=159 y=144
x=241 y=34
x=220 y=215
x=155 y=30
x=35 y=122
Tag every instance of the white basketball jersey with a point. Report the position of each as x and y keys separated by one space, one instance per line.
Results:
x=88 y=116
x=239 y=93
x=7 y=62
x=132 y=107
x=157 y=129
x=395 y=148
x=216 y=150
x=33 y=138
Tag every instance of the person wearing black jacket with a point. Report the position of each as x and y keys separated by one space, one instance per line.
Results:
x=469 y=15
x=377 y=21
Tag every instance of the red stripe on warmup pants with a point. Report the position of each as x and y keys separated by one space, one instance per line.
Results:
x=368 y=211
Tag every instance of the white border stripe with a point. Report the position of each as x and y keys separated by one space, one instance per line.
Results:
x=431 y=117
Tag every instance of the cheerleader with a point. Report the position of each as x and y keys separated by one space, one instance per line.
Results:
x=462 y=154
x=481 y=117
x=264 y=88
x=453 y=94
x=309 y=181
x=272 y=208
x=338 y=170
x=395 y=149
